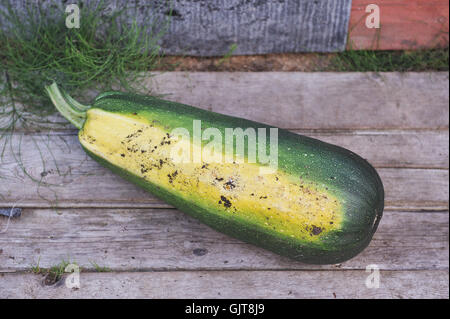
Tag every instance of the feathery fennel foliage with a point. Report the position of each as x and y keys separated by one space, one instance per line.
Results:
x=36 y=48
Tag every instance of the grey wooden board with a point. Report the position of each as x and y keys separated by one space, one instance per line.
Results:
x=399 y=122
x=318 y=100
x=167 y=239
x=58 y=172
x=386 y=148
x=234 y=284
x=313 y=101
x=393 y=148
x=208 y=28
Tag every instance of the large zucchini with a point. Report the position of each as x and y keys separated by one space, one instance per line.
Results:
x=321 y=205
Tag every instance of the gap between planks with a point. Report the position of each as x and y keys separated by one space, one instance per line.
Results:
x=68 y=130
x=437 y=208
x=92 y=270
x=331 y=131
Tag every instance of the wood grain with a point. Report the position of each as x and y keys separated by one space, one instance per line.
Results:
x=395 y=148
x=167 y=239
x=211 y=28
x=55 y=171
x=299 y=100
x=234 y=284
x=404 y=25
x=399 y=122
x=322 y=100
x=386 y=148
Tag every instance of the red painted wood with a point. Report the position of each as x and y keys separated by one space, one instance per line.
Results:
x=404 y=25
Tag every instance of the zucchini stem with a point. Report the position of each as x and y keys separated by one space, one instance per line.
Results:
x=72 y=110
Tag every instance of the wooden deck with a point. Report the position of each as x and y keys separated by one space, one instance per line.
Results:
x=76 y=210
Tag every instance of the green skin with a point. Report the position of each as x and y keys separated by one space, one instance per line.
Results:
x=345 y=174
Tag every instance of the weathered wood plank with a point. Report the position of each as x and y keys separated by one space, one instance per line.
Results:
x=299 y=100
x=386 y=148
x=316 y=100
x=210 y=28
x=90 y=185
x=413 y=149
x=97 y=187
x=233 y=284
x=76 y=180
x=404 y=25
x=162 y=239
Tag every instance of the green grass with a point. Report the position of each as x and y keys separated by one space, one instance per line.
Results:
x=227 y=55
x=52 y=274
x=390 y=61
x=36 y=269
x=100 y=268
x=37 y=48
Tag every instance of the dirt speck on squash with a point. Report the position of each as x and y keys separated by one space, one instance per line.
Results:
x=316 y=230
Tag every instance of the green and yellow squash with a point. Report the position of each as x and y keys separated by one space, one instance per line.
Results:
x=320 y=204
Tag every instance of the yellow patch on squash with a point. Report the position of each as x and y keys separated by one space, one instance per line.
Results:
x=276 y=202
